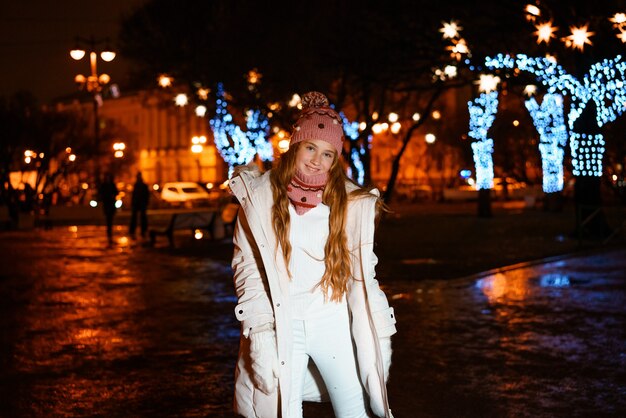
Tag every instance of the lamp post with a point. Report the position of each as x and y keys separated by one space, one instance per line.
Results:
x=94 y=82
x=197 y=145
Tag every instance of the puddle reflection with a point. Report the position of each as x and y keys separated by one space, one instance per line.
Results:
x=554 y=280
x=501 y=287
x=112 y=328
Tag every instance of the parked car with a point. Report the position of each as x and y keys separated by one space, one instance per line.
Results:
x=468 y=191
x=187 y=194
x=462 y=192
x=405 y=191
x=514 y=189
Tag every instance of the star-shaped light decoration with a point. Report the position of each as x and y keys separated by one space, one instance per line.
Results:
x=532 y=11
x=530 y=90
x=203 y=94
x=165 y=80
x=487 y=83
x=551 y=58
x=579 y=37
x=450 y=29
x=545 y=32
x=254 y=76
x=201 y=111
x=295 y=100
x=458 y=49
x=450 y=71
x=181 y=99
x=618 y=19
x=619 y=23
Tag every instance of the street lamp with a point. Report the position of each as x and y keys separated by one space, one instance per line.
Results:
x=94 y=82
x=29 y=155
x=118 y=149
x=197 y=145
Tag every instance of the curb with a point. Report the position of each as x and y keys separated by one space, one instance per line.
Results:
x=546 y=260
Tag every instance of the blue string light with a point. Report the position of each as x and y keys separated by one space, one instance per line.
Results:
x=550 y=123
x=235 y=146
x=355 y=155
x=604 y=84
x=482 y=112
x=351 y=130
x=258 y=130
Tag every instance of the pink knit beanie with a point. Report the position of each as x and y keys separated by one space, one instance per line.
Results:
x=318 y=121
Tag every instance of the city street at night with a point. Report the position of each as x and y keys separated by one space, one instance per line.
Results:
x=135 y=331
x=477 y=148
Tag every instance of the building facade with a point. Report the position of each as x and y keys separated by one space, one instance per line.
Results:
x=157 y=137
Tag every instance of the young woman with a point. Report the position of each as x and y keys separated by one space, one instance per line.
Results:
x=315 y=324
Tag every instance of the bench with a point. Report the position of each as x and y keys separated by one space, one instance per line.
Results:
x=185 y=220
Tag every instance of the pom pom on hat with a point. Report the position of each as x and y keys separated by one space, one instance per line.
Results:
x=318 y=121
x=314 y=99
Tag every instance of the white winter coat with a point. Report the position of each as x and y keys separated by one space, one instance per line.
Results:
x=262 y=288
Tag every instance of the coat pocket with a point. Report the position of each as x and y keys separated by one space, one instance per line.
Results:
x=252 y=313
x=384 y=322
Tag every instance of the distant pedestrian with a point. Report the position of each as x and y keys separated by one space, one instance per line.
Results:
x=139 y=206
x=314 y=320
x=13 y=203
x=28 y=203
x=107 y=192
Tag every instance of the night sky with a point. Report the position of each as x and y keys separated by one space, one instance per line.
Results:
x=37 y=35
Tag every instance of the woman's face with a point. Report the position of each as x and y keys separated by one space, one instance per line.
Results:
x=315 y=157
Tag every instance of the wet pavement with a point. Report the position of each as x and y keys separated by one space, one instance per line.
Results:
x=134 y=331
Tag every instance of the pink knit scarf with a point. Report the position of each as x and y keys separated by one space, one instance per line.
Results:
x=305 y=192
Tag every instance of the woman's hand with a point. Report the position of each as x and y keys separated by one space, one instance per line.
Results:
x=264 y=355
x=385 y=351
x=373 y=385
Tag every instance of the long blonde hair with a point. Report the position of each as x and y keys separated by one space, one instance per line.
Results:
x=336 y=254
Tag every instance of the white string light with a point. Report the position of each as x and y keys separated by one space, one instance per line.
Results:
x=482 y=112
x=550 y=123
x=604 y=84
x=587 y=151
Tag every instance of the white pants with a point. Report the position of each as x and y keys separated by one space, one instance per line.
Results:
x=327 y=341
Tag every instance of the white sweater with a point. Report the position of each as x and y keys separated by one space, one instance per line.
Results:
x=308 y=234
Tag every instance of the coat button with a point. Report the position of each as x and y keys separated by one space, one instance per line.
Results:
x=282 y=362
x=278 y=305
